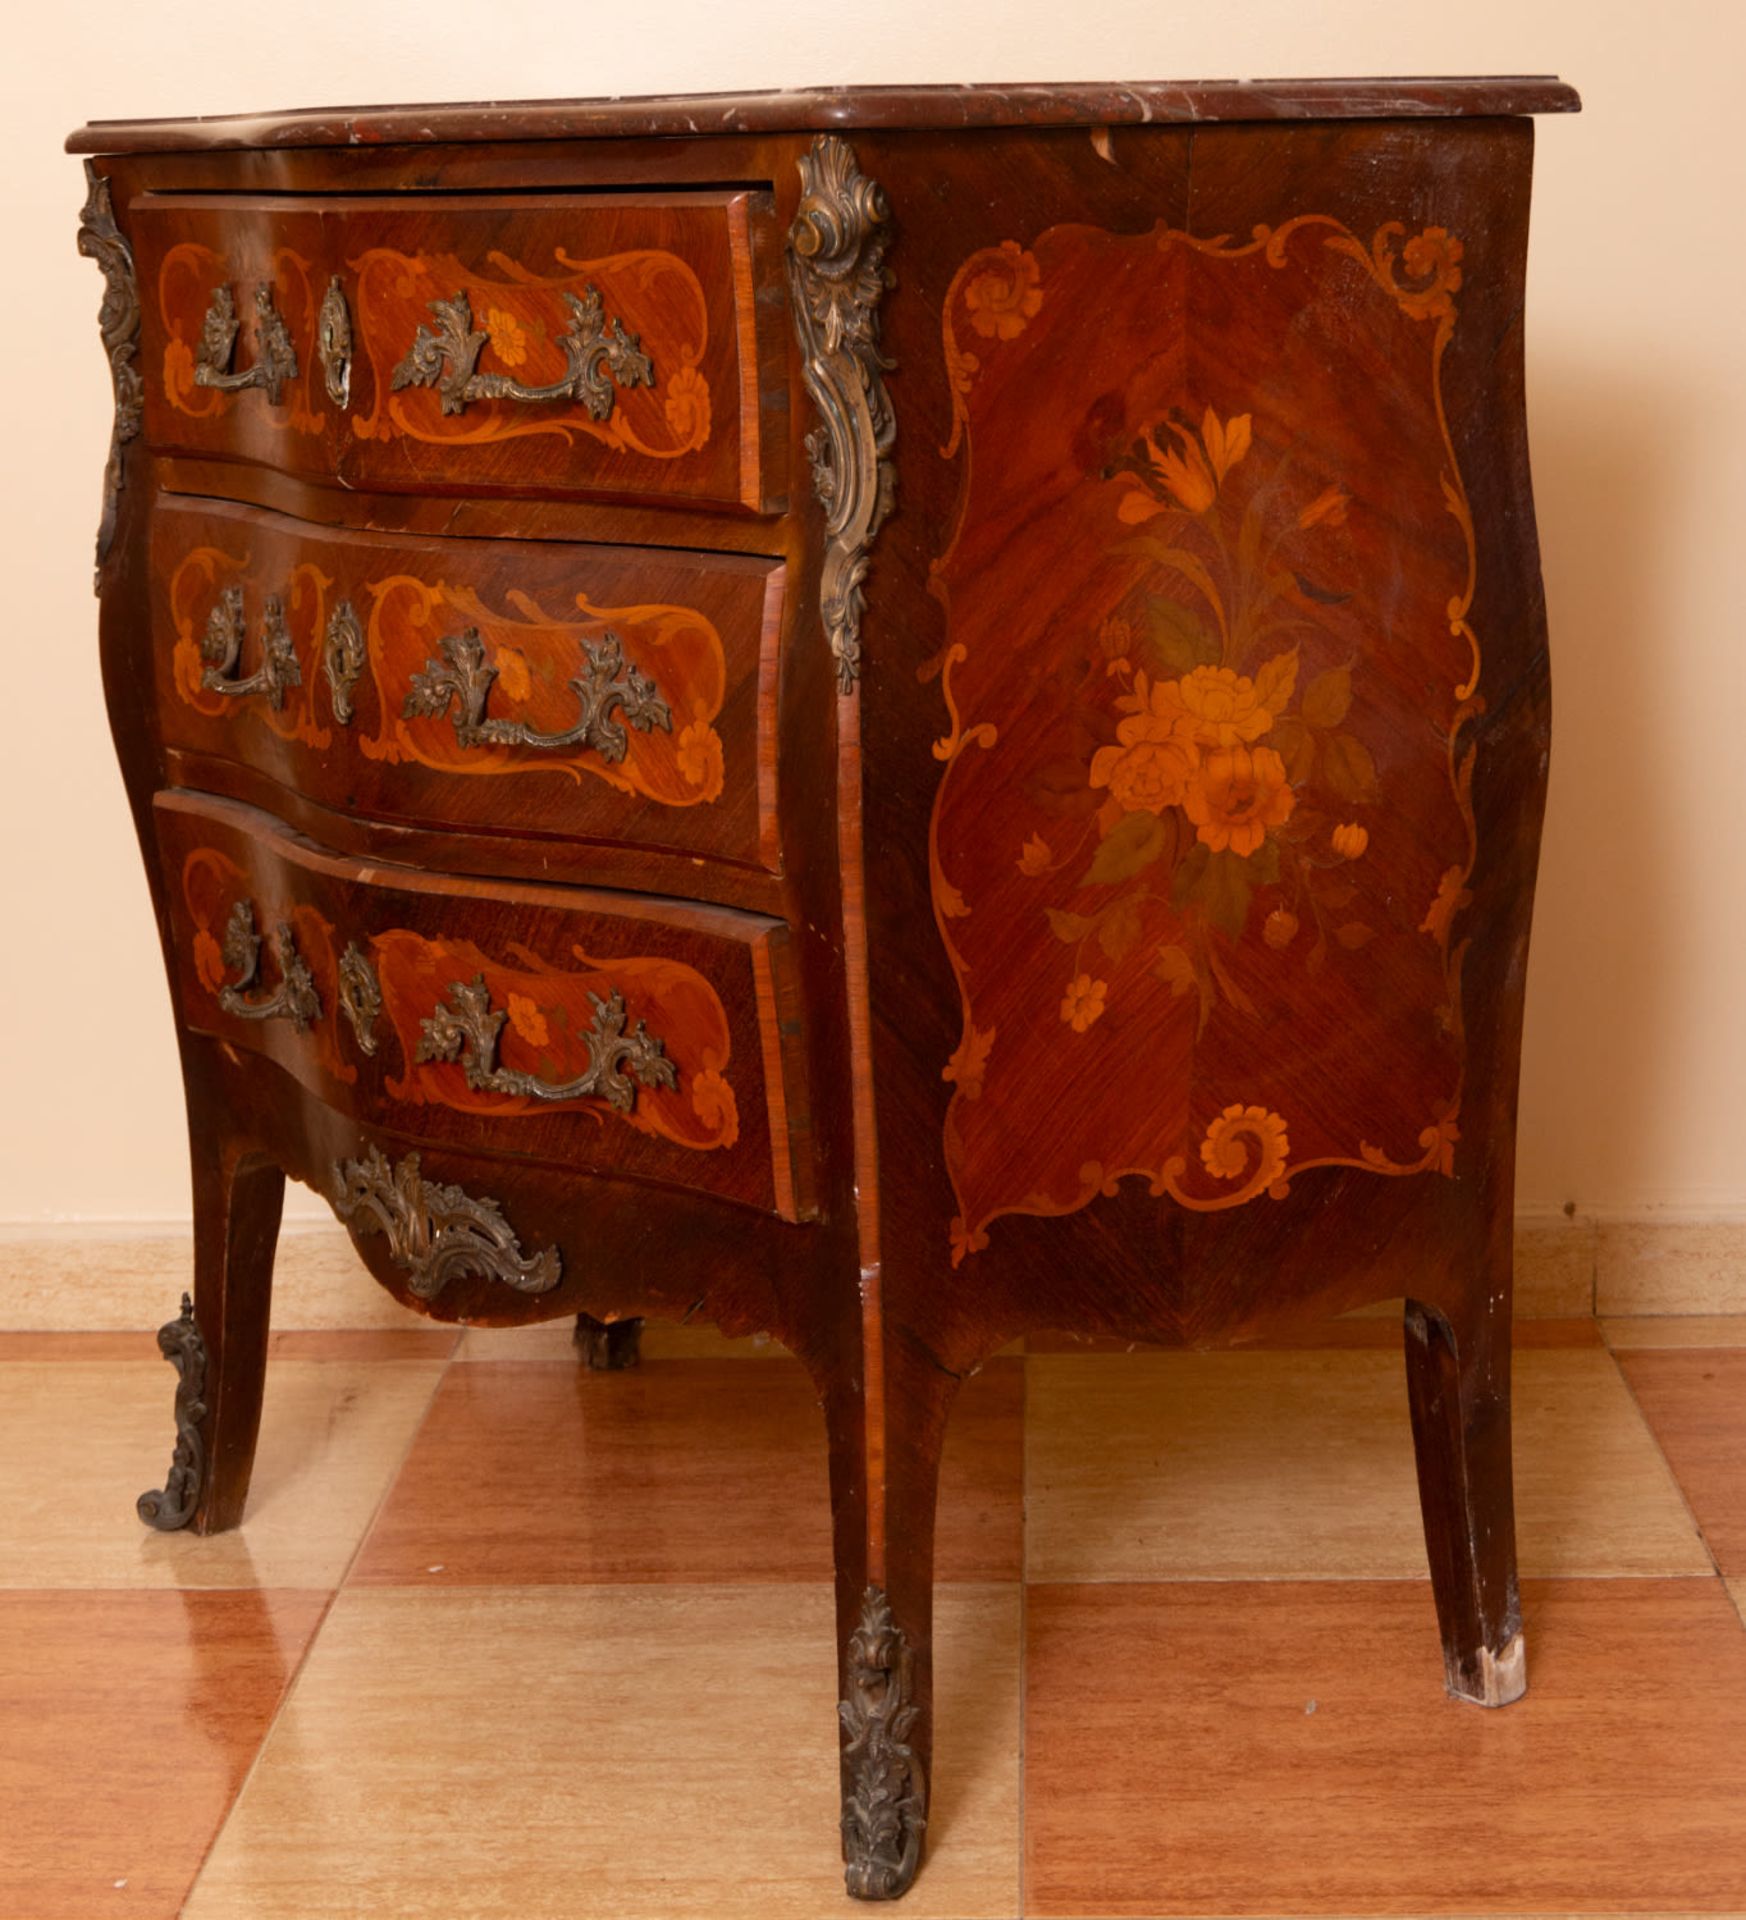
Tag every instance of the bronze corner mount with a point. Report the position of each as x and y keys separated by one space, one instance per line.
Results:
x=100 y=239
x=885 y=1796
x=172 y=1505
x=837 y=276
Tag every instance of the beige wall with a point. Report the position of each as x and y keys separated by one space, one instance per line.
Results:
x=1637 y=1019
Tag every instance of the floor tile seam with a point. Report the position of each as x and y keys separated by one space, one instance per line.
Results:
x=824 y=1583
x=1617 y=1319
x=774 y=1583
x=74 y=1589
x=1720 y=1353
x=1025 y=1366
x=1522 y=1342
x=248 y=1773
x=1024 y=1634
x=290 y=1687
x=1685 y=1576
x=392 y=1480
x=1024 y=1625
x=1673 y=1478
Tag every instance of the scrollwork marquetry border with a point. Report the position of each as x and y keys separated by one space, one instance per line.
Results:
x=1420 y=275
x=100 y=239
x=837 y=276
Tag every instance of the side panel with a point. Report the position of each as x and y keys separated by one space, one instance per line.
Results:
x=1205 y=720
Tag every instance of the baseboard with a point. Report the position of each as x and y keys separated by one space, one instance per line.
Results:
x=1671 y=1264
x=124 y=1276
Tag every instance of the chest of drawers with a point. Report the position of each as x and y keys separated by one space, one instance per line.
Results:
x=919 y=716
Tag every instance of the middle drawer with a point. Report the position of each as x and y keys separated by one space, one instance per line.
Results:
x=622 y=694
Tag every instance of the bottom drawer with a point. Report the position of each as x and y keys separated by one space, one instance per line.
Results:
x=603 y=1031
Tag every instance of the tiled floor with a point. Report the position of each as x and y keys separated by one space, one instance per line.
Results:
x=503 y=1638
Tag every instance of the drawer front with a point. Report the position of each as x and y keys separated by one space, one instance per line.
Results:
x=600 y=693
x=570 y=344
x=653 y=1039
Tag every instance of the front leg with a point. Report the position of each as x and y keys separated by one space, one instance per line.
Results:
x=885 y=1469
x=219 y=1343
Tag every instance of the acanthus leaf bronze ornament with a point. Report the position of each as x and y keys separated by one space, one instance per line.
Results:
x=343 y=654
x=884 y=1794
x=598 y=355
x=333 y=343
x=100 y=239
x=172 y=1505
x=275 y=356
x=837 y=276
x=360 y=996
x=610 y=690
x=436 y=1232
x=618 y=1062
x=294 y=998
x=221 y=648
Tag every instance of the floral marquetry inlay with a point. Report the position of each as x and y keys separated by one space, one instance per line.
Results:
x=1208 y=651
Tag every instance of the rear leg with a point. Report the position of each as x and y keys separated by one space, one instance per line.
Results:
x=1458 y=1386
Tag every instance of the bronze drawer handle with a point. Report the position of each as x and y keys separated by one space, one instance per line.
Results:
x=597 y=351
x=294 y=998
x=607 y=687
x=275 y=357
x=221 y=648
x=333 y=343
x=467 y=1029
x=436 y=1232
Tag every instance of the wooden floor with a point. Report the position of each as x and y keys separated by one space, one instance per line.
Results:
x=503 y=1638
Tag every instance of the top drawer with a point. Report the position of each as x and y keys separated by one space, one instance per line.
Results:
x=605 y=344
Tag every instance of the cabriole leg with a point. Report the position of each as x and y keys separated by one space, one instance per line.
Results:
x=1458 y=1385
x=219 y=1343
